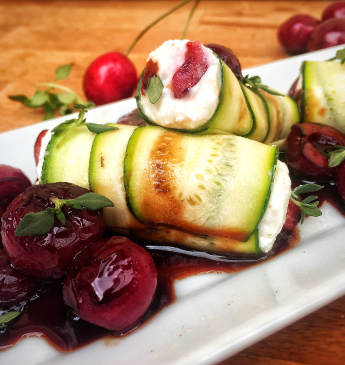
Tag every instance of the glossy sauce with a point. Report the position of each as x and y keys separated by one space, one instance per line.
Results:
x=47 y=316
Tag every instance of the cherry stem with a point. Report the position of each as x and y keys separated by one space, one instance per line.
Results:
x=138 y=37
x=189 y=19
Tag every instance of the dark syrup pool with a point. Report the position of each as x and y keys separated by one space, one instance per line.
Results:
x=46 y=316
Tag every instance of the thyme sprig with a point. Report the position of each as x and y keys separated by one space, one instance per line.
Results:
x=309 y=205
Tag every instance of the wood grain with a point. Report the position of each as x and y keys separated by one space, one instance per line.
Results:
x=38 y=36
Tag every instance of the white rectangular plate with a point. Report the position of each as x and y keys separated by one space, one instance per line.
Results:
x=215 y=315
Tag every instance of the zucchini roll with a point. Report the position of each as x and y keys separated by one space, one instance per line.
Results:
x=218 y=193
x=320 y=92
x=187 y=87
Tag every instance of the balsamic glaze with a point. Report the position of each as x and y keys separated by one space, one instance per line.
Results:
x=47 y=316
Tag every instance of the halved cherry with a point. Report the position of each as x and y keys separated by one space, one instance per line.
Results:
x=307 y=146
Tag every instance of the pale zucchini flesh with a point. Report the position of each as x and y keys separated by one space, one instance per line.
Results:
x=106 y=175
x=323 y=86
x=217 y=185
x=67 y=155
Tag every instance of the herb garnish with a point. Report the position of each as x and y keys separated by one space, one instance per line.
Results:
x=47 y=97
x=339 y=55
x=154 y=89
x=92 y=127
x=337 y=156
x=8 y=317
x=308 y=206
x=254 y=83
x=39 y=223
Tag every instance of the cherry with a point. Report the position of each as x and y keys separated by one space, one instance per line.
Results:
x=48 y=256
x=12 y=182
x=110 y=77
x=293 y=216
x=327 y=34
x=133 y=118
x=228 y=57
x=38 y=145
x=307 y=146
x=15 y=286
x=340 y=180
x=111 y=283
x=334 y=10
x=294 y=33
x=192 y=70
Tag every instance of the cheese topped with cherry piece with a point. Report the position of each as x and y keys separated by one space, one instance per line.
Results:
x=198 y=105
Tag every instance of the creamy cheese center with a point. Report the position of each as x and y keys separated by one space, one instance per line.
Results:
x=200 y=103
x=275 y=214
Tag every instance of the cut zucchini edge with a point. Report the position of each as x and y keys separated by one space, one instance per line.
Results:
x=135 y=204
x=211 y=244
x=227 y=77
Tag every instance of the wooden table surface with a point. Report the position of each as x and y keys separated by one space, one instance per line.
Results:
x=38 y=36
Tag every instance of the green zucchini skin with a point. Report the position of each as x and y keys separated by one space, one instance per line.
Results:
x=205 y=184
x=232 y=114
x=322 y=98
x=106 y=175
x=67 y=155
x=256 y=115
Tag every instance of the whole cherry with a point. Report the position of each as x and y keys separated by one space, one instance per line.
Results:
x=15 y=286
x=294 y=33
x=228 y=57
x=307 y=146
x=329 y=33
x=49 y=255
x=111 y=283
x=334 y=10
x=110 y=77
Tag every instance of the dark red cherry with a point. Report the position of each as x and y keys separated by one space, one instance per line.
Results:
x=48 y=256
x=110 y=77
x=293 y=216
x=228 y=57
x=15 y=286
x=329 y=33
x=191 y=71
x=133 y=118
x=38 y=145
x=294 y=33
x=334 y=10
x=307 y=146
x=111 y=284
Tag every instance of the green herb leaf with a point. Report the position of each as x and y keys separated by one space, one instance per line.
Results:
x=8 y=317
x=66 y=98
x=337 y=156
x=35 y=224
x=254 y=83
x=100 y=128
x=307 y=188
x=21 y=99
x=94 y=201
x=61 y=217
x=308 y=206
x=340 y=55
x=63 y=72
x=39 y=99
x=154 y=89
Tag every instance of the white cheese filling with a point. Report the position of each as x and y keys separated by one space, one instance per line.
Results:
x=201 y=101
x=274 y=217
